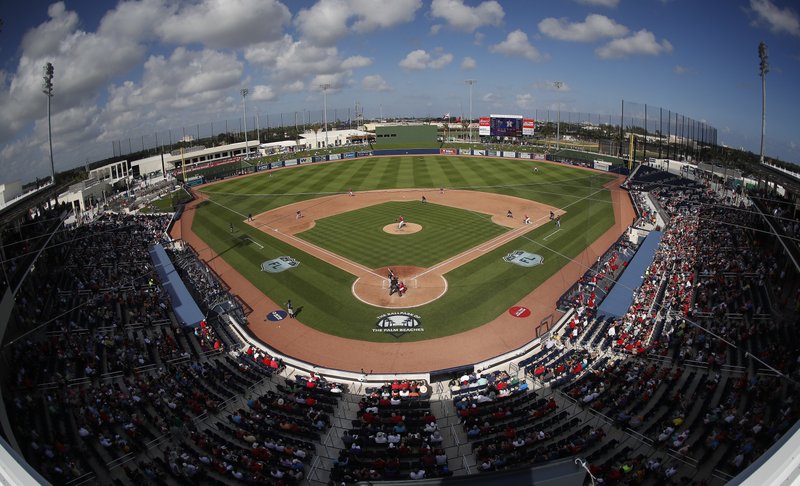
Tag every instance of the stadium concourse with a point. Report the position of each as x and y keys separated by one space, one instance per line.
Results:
x=102 y=384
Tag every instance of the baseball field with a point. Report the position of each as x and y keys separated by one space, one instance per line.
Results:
x=298 y=234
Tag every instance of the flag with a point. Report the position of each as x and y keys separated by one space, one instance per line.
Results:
x=446 y=116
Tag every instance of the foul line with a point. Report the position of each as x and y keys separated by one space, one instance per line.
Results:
x=301 y=242
x=500 y=240
x=551 y=234
x=255 y=242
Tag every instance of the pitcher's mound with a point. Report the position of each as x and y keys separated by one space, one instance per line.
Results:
x=408 y=229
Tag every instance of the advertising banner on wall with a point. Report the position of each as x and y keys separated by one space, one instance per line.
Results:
x=528 y=127
x=539 y=157
x=276 y=165
x=510 y=155
x=484 y=125
x=479 y=152
x=448 y=151
x=601 y=165
x=289 y=163
x=364 y=154
x=349 y=155
x=464 y=151
x=525 y=155
x=491 y=153
x=334 y=156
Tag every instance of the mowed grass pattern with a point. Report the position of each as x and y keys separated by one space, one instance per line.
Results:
x=358 y=235
x=477 y=292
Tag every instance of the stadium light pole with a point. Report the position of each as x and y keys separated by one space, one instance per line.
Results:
x=47 y=89
x=244 y=92
x=557 y=85
x=325 y=109
x=471 y=83
x=764 y=69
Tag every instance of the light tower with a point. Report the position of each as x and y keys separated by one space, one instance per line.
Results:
x=471 y=83
x=244 y=92
x=47 y=89
x=325 y=109
x=764 y=69
x=557 y=85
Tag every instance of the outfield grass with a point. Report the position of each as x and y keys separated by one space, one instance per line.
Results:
x=478 y=291
x=358 y=235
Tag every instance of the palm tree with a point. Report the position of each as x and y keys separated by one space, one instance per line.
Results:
x=764 y=68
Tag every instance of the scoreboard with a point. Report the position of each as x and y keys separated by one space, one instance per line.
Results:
x=505 y=126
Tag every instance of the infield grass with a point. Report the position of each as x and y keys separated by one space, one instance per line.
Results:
x=477 y=291
x=446 y=232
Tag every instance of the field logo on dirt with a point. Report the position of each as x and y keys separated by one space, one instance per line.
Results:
x=398 y=323
x=524 y=258
x=279 y=264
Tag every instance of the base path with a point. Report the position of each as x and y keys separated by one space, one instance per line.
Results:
x=503 y=334
x=424 y=284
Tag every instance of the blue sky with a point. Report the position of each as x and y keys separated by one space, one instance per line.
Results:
x=134 y=68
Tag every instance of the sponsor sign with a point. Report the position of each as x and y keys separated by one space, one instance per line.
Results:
x=275 y=165
x=279 y=264
x=349 y=155
x=539 y=157
x=484 y=126
x=261 y=167
x=525 y=155
x=601 y=165
x=524 y=258
x=464 y=152
x=519 y=311
x=510 y=155
x=491 y=153
x=398 y=323
x=363 y=154
x=316 y=158
x=447 y=151
x=303 y=160
x=289 y=163
x=479 y=152
x=334 y=156
x=528 y=127
x=276 y=315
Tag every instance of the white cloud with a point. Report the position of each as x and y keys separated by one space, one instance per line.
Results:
x=435 y=28
x=441 y=61
x=262 y=92
x=294 y=87
x=593 y=27
x=524 y=100
x=375 y=82
x=600 y=3
x=355 y=62
x=516 y=44
x=421 y=59
x=329 y=20
x=642 y=42
x=465 y=18
x=225 y=23
x=46 y=38
x=468 y=63
x=778 y=20
x=83 y=62
x=680 y=69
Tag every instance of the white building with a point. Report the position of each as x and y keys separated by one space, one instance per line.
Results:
x=334 y=138
x=111 y=172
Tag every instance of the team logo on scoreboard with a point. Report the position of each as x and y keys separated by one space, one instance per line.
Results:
x=524 y=258
x=279 y=264
x=398 y=323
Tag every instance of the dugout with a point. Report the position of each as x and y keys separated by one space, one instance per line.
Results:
x=406 y=136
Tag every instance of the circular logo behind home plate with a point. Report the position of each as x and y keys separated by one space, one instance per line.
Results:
x=519 y=311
